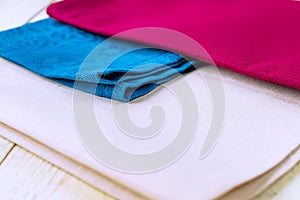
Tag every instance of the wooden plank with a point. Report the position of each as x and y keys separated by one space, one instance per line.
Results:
x=30 y=177
x=287 y=187
x=5 y=148
x=63 y=162
x=14 y=13
x=42 y=15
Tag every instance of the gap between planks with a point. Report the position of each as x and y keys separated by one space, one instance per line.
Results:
x=5 y=148
x=31 y=177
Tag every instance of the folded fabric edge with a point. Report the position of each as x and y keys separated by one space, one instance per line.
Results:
x=258 y=184
x=122 y=91
x=85 y=173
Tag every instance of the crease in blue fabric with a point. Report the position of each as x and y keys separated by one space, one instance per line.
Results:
x=56 y=51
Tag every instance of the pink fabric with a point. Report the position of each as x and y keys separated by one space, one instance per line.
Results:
x=257 y=38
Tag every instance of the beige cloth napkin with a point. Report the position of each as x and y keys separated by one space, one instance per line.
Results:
x=260 y=130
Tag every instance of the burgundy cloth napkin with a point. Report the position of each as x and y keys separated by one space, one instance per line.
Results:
x=257 y=38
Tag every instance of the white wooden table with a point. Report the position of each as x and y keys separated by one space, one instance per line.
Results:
x=24 y=175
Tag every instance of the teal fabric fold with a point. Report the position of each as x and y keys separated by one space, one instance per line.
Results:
x=61 y=53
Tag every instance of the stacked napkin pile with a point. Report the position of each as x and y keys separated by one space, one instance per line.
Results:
x=254 y=38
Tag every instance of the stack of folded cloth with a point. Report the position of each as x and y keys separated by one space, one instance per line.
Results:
x=254 y=38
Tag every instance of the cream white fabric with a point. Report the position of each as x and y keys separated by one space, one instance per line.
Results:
x=259 y=184
x=260 y=130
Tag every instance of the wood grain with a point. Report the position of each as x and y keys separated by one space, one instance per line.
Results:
x=26 y=176
x=5 y=148
x=90 y=177
x=14 y=13
x=287 y=187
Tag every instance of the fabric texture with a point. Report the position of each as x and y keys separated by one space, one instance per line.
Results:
x=58 y=51
x=257 y=38
x=45 y=113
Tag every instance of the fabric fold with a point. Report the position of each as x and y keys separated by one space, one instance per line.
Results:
x=62 y=53
x=233 y=161
x=256 y=38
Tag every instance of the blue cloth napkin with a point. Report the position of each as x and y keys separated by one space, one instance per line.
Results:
x=58 y=51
